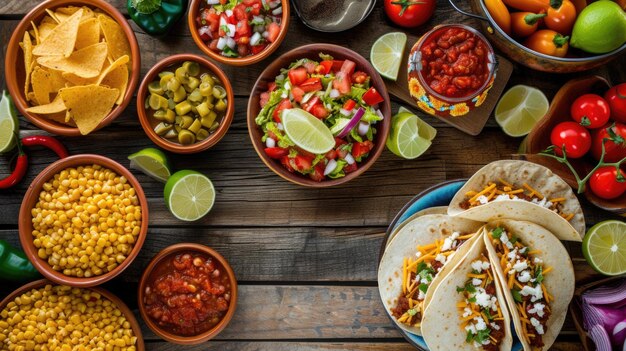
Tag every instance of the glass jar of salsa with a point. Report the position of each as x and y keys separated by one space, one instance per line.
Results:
x=451 y=69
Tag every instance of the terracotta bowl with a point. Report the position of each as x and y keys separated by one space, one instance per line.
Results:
x=166 y=253
x=539 y=138
x=312 y=51
x=128 y=314
x=194 y=13
x=535 y=60
x=14 y=64
x=32 y=196
x=148 y=122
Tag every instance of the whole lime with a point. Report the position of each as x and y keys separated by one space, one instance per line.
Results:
x=599 y=28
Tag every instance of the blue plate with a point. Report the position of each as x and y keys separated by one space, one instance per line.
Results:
x=437 y=195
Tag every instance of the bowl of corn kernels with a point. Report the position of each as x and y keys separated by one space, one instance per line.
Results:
x=46 y=316
x=83 y=220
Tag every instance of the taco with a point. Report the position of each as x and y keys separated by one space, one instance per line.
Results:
x=468 y=310
x=524 y=191
x=537 y=276
x=424 y=250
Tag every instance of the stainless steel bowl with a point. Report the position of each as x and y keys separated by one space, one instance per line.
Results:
x=333 y=16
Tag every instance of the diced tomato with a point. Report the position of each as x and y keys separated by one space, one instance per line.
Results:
x=319 y=111
x=240 y=12
x=349 y=105
x=272 y=135
x=242 y=49
x=350 y=168
x=331 y=155
x=286 y=162
x=372 y=97
x=311 y=84
x=310 y=67
x=231 y=19
x=342 y=82
x=308 y=106
x=336 y=67
x=242 y=29
x=324 y=67
x=339 y=142
x=342 y=153
x=223 y=2
x=359 y=77
x=297 y=76
x=283 y=105
x=276 y=152
x=221 y=31
x=361 y=149
x=264 y=98
x=255 y=9
x=213 y=44
x=348 y=67
x=302 y=163
x=205 y=33
x=273 y=30
x=257 y=48
x=251 y=2
x=303 y=152
x=212 y=18
x=297 y=93
x=271 y=86
x=318 y=173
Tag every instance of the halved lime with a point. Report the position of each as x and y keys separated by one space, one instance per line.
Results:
x=519 y=109
x=189 y=195
x=604 y=247
x=153 y=162
x=410 y=136
x=9 y=124
x=307 y=132
x=386 y=54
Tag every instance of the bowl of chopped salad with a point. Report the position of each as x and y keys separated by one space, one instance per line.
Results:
x=319 y=115
x=238 y=32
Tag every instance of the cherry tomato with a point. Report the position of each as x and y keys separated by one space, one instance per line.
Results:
x=616 y=97
x=573 y=136
x=548 y=42
x=524 y=24
x=409 y=13
x=561 y=16
x=615 y=145
x=591 y=111
x=604 y=182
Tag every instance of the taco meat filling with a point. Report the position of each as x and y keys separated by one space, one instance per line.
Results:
x=525 y=273
x=419 y=272
x=505 y=191
x=479 y=311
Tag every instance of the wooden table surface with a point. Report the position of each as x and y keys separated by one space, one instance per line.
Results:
x=305 y=259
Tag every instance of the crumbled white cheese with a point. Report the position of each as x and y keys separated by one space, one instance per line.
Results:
x=495 y=326
x=534 y=293
x=455 y=235
x=482 y=298
x=512 y=255
x=480 y=323
x=537 y=325
x=524 y=277
x=418 y=254
x=421 y=295
x=505 y=240
x=537 y=309
x=523 y=250
x=480 y=265
x=470 y=328
x=486 y=341
x=494 y=303
x=424 y=281
x=511 y=271
x=543 y=203
x=441 y=258
x=538 y=260
x=447 y=244
x=477 y=281
x=504 y=197
x=482 y=199
x=520 y=265
x=467 y=312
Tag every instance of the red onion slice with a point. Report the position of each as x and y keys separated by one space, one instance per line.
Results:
x=600 y=337
x=353 y=122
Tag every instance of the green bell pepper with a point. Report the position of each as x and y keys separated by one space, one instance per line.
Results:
x=156 y=17
x=14 y=265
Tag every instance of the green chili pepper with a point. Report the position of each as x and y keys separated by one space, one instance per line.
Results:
x=156 y=17
x=14 y=265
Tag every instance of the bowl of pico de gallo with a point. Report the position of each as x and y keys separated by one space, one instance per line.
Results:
x=238 y=32
x=319 y=115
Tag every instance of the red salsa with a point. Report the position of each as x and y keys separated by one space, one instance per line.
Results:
x=188 y=294
x=455 y=62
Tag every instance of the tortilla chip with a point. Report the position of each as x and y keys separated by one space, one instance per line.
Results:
x=116 y=76
x=67 y=10
x=85 y=63
x=57 y=82
x=53 y=16
x=88 y=33
x=35 y=32
x=76 y=80
x=115 y=37
x=41 y=85
x=27 y=47
x=44 y=30
x=88 y=105
x=60 y=118
x=56 y=106
x=48 y=20
x=61 y=40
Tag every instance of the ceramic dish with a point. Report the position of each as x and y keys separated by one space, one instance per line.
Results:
x=312 y=52
x=315 y=14
x=15 y=74
x=438 y=195
x=128 y=314
x=194 y=12
x=32 y=196
x=154 y=265
x=148 y=122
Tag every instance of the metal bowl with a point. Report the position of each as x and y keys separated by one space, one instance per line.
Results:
x=337 y=21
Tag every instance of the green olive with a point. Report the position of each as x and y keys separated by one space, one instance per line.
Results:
x=203 y=109
x=208 y=120
x=173 y=84
x=162 y=128
x=170 y=116
x=184 y=121
x=221 y=105
x=180 y=94
x=165 y=73
x=192 y=83
x=219 y=92
x=181 y=75
x=155 y=87
x=183 y=108
x=195 y=126
x=195 y=96
x=172 y=133
x=206 y=78
x=214 y=126
x=186 y=137
x=192 y=68
x=159 y=114
x=171 y=104
x=165 y=80
x=157 y=102
x=206 y=89
x=202 y=134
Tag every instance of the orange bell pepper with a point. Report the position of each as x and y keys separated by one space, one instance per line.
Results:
x=500 y=14
x=535 y=6
x=524 y=24
x=561 y=16
x=548 y=42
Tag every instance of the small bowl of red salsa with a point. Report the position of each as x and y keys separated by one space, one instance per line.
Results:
x=451 y=69
x=187 y=294
x=238 y=32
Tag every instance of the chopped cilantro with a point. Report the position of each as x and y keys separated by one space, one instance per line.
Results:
x=516 y=295
x=224 y=28
x=513 y=239
x=423 y=288
x=472 y=299
x=460 y=289
x=427 y=273
x=488 y=314
x=421 y=266
x=412 y=312
x=497 y=233
x=469 y=287
x=469 y=336
x=538 y=274
x=483 y=335
x=326 y=57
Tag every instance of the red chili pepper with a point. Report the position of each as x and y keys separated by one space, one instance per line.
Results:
x=47 y=141
x=20 y=169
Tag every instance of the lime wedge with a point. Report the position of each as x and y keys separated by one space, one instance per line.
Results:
x=519 y=109
x=307 y=132
x=386 y=54
x=340 y=124
x=189 y=195
x=153 y=162
x=410 y=136
x=9 y=125
x=604 y=247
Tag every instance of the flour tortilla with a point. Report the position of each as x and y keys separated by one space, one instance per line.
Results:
x=421 y=231
x=559 y=282
x=538 y=177
x=431 y=210
x=441 y=321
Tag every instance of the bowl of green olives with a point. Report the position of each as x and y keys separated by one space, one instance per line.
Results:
x=185 y=104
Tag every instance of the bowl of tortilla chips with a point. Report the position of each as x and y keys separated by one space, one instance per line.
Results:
x=72 y=66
